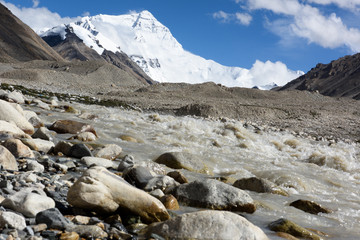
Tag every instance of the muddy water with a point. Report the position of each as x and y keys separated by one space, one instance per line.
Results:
x=325 y=172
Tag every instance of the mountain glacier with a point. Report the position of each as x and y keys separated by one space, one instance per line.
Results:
x=152 y=46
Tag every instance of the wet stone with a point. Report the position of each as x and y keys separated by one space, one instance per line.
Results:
x=53 y=219
x=286 y=226
x=178 y=176
x=259 y=185
x=309 y=207
x=70 y=126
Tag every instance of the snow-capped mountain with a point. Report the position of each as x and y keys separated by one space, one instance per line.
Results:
x=151 y=45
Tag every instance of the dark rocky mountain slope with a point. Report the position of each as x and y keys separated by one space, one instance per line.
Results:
x=18 y=42
x=340 y=78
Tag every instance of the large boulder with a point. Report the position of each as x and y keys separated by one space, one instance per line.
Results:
x=18 y=149
x=100 y=190
x=28 y=203
x=10 y=114
x=180 y=160
x=213 y=194
x=7 y=160
x=70 y=126
x=207 y=225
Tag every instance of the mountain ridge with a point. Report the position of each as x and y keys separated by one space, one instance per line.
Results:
x=339 y=78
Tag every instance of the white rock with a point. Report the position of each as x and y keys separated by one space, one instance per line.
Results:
x=28 y=203
x=10 y=128
x=85 y=137
x=109 y=151
x=12 y=220
x=16 y=97
x=10 y=114
x=43 y=145
x=41 y=104
x=207 y=225
x=100 y=190
x=7 y=160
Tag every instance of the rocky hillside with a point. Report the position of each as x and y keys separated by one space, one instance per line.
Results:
x=73 y=48
x=18 y=42
x=340 y=78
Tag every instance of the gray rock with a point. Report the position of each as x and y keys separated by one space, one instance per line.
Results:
x=63 y=147
x=44 y=133
x=33 y=165
x=7 y=160
x=89 y=161
x=138 y=176
x=28 y=203
x=12 y=220
x=100 y=190
x=109 y=151
x=157 y=193
x=161 y=182
x=209 y=193
x=53 y=219
x=88 y=231
x=259 y=185
x=126 y=162
x=207 y=225
x=79 y=151
x=18 y=149
x=9 y=114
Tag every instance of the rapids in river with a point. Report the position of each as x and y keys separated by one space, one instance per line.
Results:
x=321 y=171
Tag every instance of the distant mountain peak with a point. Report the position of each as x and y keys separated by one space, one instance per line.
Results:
x=155 y=50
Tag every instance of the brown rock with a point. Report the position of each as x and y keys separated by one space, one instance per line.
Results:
x=170 y=202
x=70 y=126
x=259 y=185
x=69 y=236
x=286 y=226
x=178 y=176
x=309 y=206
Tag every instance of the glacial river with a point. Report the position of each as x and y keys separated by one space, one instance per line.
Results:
x=324 y=172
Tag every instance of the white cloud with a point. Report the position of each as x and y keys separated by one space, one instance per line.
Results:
x=240 y=18
x=349 y=4
x=243 y=18
x=306 y=21
x=35 y=3
x=38 y=19
x=264 y=73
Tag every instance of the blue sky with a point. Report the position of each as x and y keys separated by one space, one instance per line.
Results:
x=299 y=33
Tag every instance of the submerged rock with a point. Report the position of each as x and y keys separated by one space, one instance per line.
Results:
x=215 y=195
x=100 y=190
x=70 y=126
x=259 y=185
x=286 y=226
x=179 y=160
x=207 y=225
x=309 y=206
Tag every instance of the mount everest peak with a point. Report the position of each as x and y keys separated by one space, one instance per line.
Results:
x=153 y=48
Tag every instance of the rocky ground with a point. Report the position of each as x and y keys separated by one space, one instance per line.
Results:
x=51 y=188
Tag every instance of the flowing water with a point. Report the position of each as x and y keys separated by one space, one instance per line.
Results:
x=327 y=173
